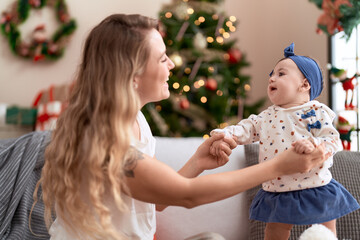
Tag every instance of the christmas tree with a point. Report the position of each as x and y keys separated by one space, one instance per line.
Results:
x=207 y=88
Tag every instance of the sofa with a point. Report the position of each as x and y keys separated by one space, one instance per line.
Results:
x=229 y=217
x=21 y=161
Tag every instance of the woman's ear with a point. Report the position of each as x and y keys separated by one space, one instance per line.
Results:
x=135 y=82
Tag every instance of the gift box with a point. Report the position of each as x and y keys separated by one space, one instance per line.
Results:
x=50 y=104
x=20 y=116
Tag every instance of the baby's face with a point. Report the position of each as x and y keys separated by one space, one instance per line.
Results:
x=285 y=83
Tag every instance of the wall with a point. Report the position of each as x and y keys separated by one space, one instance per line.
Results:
x=21 y=80
x=264 y=29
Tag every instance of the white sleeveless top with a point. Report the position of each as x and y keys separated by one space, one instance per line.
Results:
x=139 y=222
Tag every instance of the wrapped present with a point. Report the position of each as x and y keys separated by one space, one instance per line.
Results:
x=50 y=104
x=20 y=116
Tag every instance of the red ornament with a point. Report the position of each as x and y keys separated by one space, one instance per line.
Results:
x=211 y=84
x=234 y=55
x=38 y=58
x=184 y=103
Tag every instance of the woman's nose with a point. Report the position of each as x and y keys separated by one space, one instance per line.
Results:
x=171 y=64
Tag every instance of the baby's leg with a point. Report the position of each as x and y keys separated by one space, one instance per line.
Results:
x=331 y=225
x=277 y=231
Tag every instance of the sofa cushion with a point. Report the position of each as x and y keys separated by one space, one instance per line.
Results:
x=345 y=170
x=227 y=217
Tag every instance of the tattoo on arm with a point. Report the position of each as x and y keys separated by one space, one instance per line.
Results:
x=131 y=163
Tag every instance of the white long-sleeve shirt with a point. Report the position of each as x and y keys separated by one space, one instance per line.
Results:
x=277 y=128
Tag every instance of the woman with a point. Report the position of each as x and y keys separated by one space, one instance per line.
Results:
x=100 y=176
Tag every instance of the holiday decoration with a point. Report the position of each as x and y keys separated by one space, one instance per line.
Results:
x=345 y=129
x=21 y=116
x=234 y=56
x=50 y=103
x=338 y=16
x=207 y=87
x=38 y=47
x=347 y=84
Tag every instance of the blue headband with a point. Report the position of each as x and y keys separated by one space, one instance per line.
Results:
x=309 y=68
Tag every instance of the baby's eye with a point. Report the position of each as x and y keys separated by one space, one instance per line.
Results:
x=281 y=73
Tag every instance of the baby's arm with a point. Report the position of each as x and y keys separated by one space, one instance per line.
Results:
x=243 y=132
x=304 y=146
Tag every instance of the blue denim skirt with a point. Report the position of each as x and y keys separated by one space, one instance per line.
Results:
x=303 y=207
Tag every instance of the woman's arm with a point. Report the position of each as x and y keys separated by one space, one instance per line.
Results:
x=156 y=182
x=196 y=165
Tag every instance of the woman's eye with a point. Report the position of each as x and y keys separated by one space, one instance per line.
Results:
x=164 y=59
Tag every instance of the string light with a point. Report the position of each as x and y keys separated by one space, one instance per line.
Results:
x=187 y=70
x=203 y=99
x=210 y=39
x=177 y=59
x=176 y=85
x=201 y=19
x=226 y=56
x=247 y=87
x=215 y=17
x=232 y=29
x=211 y=69
x=196 y=84
x=223 y=125
x=168 y=15
x=226 y=35
x=221 y=30
x=190 y=11
x=206 y=136
x=186 y=88
x=201 y=82
x=232 y=18
x=236 y=80
x=219 y=39
x=219 y=93
x=158 y=108
x=170 y=42
x=229 y=24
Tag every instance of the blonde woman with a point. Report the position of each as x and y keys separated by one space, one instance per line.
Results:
x=100 y=176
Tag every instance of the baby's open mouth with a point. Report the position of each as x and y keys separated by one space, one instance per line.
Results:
x=273 y=88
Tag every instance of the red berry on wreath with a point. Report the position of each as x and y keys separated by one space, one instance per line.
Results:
x=211 y=84
x=234 y=55
x=184 y=103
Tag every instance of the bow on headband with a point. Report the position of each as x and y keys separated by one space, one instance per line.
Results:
x=309 y=68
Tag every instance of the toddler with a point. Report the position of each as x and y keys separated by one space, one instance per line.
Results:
x=295 y=119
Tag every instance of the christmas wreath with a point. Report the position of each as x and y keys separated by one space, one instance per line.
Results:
x=38 y=47
x=338 y=16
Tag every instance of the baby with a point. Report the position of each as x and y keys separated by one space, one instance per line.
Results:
x=295 y=119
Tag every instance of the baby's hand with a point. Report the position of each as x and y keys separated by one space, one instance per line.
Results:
x=303 y=146
x=218 y=147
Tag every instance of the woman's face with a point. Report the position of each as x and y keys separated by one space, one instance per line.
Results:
x=152 y=84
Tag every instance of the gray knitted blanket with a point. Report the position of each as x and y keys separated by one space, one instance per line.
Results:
x=21 y=161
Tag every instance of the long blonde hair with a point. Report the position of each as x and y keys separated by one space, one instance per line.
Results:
x=85 y=158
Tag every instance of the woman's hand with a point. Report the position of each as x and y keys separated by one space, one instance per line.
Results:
x=207 y=160
x=290 y=162
x=204 y=160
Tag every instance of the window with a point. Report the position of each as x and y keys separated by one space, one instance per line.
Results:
x=345 y=55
